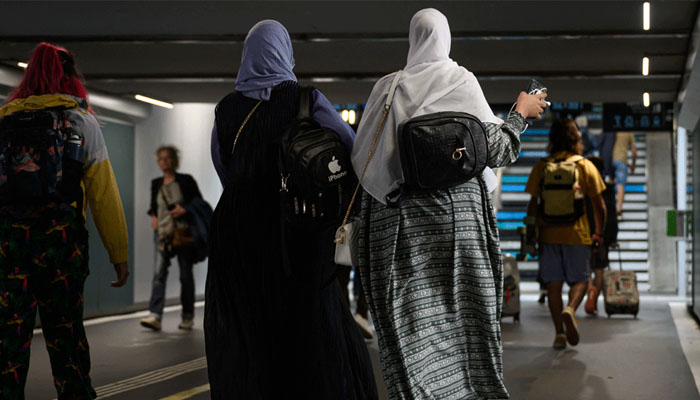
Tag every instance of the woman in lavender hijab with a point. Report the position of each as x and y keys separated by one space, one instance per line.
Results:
x=272 y=334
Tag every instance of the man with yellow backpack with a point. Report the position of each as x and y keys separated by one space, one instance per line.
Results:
x=558 y=185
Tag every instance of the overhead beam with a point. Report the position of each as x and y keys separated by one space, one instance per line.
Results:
x=330 y=37
x=372 y=77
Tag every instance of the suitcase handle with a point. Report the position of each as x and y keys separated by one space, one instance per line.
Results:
x=619 y=255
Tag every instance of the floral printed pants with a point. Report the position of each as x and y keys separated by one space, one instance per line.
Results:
x=43 y=266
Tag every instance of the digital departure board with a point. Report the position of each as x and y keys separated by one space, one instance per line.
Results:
x=570 y=106
x=624 y=117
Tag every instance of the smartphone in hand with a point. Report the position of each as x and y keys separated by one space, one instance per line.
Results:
x=535 y=87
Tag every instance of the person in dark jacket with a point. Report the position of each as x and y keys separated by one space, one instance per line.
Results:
x=171 y=196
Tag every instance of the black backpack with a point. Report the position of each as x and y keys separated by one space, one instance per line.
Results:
x=41 y=158
x=317 y=178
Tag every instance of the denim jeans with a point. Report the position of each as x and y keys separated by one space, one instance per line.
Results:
x=157 y=302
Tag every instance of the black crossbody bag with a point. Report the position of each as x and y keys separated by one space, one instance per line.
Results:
x=441 y=150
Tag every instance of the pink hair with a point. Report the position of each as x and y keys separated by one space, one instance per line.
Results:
x=45 y=75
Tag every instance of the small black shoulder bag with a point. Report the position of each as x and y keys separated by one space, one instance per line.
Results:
x=441 y=150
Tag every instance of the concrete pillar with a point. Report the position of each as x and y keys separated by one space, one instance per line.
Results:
x=681 y=205
x=663 y=274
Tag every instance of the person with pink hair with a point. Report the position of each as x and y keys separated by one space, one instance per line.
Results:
x=53 y=162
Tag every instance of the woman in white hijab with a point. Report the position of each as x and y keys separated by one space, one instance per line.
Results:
x=431 y=265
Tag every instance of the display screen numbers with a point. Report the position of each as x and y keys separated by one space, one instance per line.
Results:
x=658 y=117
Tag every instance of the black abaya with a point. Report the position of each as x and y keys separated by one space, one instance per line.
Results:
x=273 y=333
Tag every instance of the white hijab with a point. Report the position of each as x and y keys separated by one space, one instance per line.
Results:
x=431 y=82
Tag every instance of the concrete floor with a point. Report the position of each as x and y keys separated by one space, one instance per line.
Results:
x=618 y=358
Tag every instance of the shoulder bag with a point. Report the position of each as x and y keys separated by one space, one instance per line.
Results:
x=346 y=235
x=441 y=150
x=182 y=235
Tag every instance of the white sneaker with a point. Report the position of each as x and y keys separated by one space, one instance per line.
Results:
x=363 y=324
x=186 y=324
x=151 y=322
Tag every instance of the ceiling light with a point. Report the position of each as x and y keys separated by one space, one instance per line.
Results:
x=153 y=101
x=351 y=117
x=324 y=80
x=345 y=115
x=645 y=98
x=645 y=66
x=23 y=64
x=647 y=15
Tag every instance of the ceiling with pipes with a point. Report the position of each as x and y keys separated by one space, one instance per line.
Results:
x=189 y=51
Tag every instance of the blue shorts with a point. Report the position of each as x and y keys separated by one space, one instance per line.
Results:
x=564 y=262
x=620 y=169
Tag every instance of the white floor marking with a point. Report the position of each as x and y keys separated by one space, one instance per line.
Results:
x=150 y=378
x=137 y=314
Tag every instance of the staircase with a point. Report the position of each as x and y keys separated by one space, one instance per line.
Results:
x=633 y=235
x=514 y=200
x=634 y=225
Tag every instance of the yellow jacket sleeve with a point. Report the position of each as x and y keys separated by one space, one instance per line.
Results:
x=102 y=194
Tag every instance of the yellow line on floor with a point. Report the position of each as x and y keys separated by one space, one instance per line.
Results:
x=188 y=393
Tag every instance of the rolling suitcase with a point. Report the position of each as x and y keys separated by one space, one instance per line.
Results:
x=620 y=291
x=511 y=288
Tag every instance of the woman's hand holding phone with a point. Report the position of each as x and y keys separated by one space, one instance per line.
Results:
x=531 y=105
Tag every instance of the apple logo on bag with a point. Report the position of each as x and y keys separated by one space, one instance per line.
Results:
x=334 y=166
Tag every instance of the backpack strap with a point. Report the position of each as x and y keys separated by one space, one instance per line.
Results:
x=305 y=111
x=387 y=107
x=165 y=198
x=305 y=105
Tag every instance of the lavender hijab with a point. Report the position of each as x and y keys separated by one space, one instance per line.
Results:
x=267 y=60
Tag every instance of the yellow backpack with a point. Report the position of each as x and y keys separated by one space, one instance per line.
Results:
x=561 y=199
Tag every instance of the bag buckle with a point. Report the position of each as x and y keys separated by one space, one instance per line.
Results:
x=340 y=239
x=457 y=154
x=283 y=188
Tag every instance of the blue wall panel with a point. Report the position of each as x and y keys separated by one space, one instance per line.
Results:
x=100 y=298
